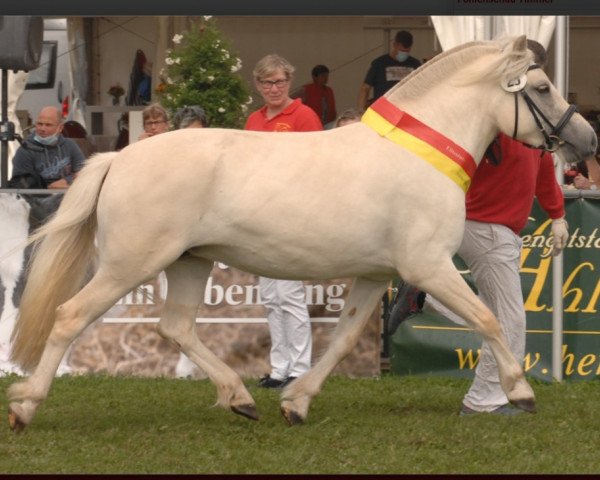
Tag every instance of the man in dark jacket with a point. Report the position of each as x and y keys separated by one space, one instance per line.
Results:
x=47 y=159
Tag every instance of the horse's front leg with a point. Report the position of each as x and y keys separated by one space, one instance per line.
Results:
x=447 y=286
x=363 y=297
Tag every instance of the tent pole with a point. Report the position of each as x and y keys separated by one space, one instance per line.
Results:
x=561 y=42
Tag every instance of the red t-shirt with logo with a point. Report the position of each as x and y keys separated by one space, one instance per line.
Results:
x=296 y=117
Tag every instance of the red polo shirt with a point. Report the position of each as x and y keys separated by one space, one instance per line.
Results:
x=296 y=117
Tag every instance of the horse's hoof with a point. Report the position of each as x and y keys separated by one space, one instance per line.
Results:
x=248 y=411
x=291 y=417
x=16 y=425
x=528 y=405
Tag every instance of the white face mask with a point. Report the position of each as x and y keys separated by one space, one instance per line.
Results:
x=51 y=140
x=402 y=56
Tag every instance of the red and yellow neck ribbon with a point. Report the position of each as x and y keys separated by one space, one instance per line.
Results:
x=433 y=147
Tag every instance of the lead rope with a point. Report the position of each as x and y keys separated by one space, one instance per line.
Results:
x=514 y=135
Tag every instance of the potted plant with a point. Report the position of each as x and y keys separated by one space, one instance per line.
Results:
x=116 y=92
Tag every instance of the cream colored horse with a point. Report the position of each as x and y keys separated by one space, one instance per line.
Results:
x=371 y=200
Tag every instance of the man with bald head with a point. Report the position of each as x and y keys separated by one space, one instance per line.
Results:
x=47 y=159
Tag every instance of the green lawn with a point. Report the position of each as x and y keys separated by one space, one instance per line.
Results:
x=99 y=424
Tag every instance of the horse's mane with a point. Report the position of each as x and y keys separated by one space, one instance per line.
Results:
x=495 y=61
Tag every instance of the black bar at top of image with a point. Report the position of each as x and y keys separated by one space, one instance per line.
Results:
x=299 y=7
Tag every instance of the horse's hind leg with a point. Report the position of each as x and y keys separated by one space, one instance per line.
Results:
x=451 y=290
x=71 y=319
x=363 y=297
x=186 y=283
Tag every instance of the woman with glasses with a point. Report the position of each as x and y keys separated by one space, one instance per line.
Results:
x=273 y=78
x=289 y=323
x=155 y=121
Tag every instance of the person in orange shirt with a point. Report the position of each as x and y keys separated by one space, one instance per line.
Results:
x=318 y=96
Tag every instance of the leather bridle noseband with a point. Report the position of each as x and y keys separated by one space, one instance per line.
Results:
x=552 y=139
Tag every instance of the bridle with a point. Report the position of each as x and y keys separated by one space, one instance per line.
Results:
x=552 y=139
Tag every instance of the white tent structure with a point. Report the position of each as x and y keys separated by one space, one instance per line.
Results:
x=454 y=30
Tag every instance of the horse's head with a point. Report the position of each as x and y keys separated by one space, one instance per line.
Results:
x=534 y=112
x=475 y=90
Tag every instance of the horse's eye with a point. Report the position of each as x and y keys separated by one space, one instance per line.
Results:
x=543 y=89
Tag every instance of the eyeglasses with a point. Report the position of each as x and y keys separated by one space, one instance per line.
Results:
x=151 y=123
x=268 y=84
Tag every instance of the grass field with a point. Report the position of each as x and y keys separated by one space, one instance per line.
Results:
x=99 y=424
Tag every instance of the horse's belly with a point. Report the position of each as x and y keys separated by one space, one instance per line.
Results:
x=300 y=263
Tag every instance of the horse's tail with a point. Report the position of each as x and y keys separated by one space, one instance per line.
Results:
x=63 y=252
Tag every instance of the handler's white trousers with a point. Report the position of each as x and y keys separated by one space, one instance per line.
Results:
x=289 y=325
x=492 y=252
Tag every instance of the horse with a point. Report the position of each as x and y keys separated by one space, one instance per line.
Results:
x=377 y=199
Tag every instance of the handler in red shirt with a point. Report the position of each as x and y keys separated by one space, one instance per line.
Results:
x=504 y=193
x=498 y=205
x=284 y=300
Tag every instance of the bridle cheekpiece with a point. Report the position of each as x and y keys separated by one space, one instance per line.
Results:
x=552 y=138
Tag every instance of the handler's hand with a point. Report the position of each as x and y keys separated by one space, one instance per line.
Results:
x=560 y=232
x=581 y=182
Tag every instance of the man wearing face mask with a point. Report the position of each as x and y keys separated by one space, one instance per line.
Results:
x=388 y=69
x=46 y=159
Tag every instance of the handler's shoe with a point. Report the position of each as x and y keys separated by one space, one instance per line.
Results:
x=287 y=381
x=408 y=301
x=506 y=410
x=268 y=382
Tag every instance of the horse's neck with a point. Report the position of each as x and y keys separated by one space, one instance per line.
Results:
x=461 y=114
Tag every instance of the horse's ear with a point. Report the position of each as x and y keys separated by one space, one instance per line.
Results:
x=520 y=43
x=516 y=84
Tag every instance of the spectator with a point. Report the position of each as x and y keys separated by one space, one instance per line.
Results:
x=289 y=323
x=351 y=115
x=318 y=96
x=46 y=159
x=190 y=117
x=387 y=70
x=498 y=204
x=155 y=121
x=589 y=177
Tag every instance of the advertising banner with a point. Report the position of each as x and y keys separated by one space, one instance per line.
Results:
x=430 y=344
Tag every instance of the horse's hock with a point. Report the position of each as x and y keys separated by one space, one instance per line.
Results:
x=137 y=348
